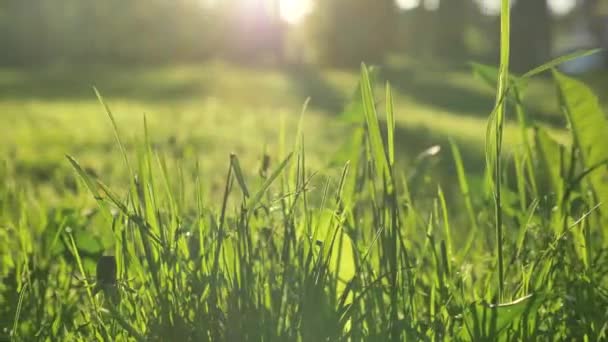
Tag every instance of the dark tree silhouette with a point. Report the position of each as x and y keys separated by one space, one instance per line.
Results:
x=531 y=35
x=347 y=32
x=452 y=18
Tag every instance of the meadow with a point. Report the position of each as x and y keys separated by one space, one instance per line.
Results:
x=214 y=109
x=217 y=202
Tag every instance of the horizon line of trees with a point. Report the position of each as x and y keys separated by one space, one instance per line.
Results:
x=337 y=33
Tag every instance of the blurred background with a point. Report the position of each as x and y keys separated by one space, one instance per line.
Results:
x=339 y=33
x=216 y=76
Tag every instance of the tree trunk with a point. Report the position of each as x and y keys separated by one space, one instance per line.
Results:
x=531 y=38
x=450 y=28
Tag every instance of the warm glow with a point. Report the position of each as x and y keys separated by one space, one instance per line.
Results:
x=561 y=7
x=293 y=11
x=408 y=4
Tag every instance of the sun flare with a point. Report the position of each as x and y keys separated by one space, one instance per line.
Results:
x=293 y=11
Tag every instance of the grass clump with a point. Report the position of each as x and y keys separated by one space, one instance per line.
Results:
x=291 y=254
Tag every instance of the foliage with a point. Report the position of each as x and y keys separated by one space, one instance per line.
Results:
x=291 y=254
x=357 y=258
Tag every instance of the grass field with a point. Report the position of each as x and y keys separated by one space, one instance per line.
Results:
x=340 y=224
x=212 y=110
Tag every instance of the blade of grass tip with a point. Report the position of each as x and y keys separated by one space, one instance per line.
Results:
x=446 y=225
x=92 y=188
x=302 y=189
x=371 y=117
x=149 y=195
x=390 y=124
x=148 y=178
x=236 y=167
x=464 y=190
x=170 y=196
x=298 y=145
x=282 y=151
x=161 y=161
x=300 y=129
x=258 y=196
x=343 y=178
x=123 y=150
x=559 y=60
x=115 y=128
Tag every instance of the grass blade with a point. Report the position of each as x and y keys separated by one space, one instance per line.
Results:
x=258 y=196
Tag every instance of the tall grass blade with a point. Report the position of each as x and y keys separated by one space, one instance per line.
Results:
x=496 y=134
x=236 y=167
x=390 y=124
x=123 y=150
x=559 y=60
x=255 y=200
x=92 y=188
x=371 y=118
x=466 y=195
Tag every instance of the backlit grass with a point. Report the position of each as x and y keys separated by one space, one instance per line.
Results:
x=225 y=214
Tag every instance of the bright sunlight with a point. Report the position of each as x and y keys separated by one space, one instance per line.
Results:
x=293 y=11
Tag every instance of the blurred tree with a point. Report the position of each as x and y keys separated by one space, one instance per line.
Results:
x=452 y=19
x=347 y=32
x=23 y=30
x=597 y=16
x=531 y=35
x=109 y=31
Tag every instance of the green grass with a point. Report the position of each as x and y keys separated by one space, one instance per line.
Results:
x=332 y=225
x=209 y=111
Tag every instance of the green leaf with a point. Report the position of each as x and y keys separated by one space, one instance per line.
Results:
x=488 y=321
x=552 y=162
x=589 y=129
x=489 y=75
x=557 y=61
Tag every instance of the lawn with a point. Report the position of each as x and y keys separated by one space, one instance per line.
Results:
x=227 y=215
x=209 y=111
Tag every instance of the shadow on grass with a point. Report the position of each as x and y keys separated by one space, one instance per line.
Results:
x=77 y=84
x=431 y=88
x=308 y=81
